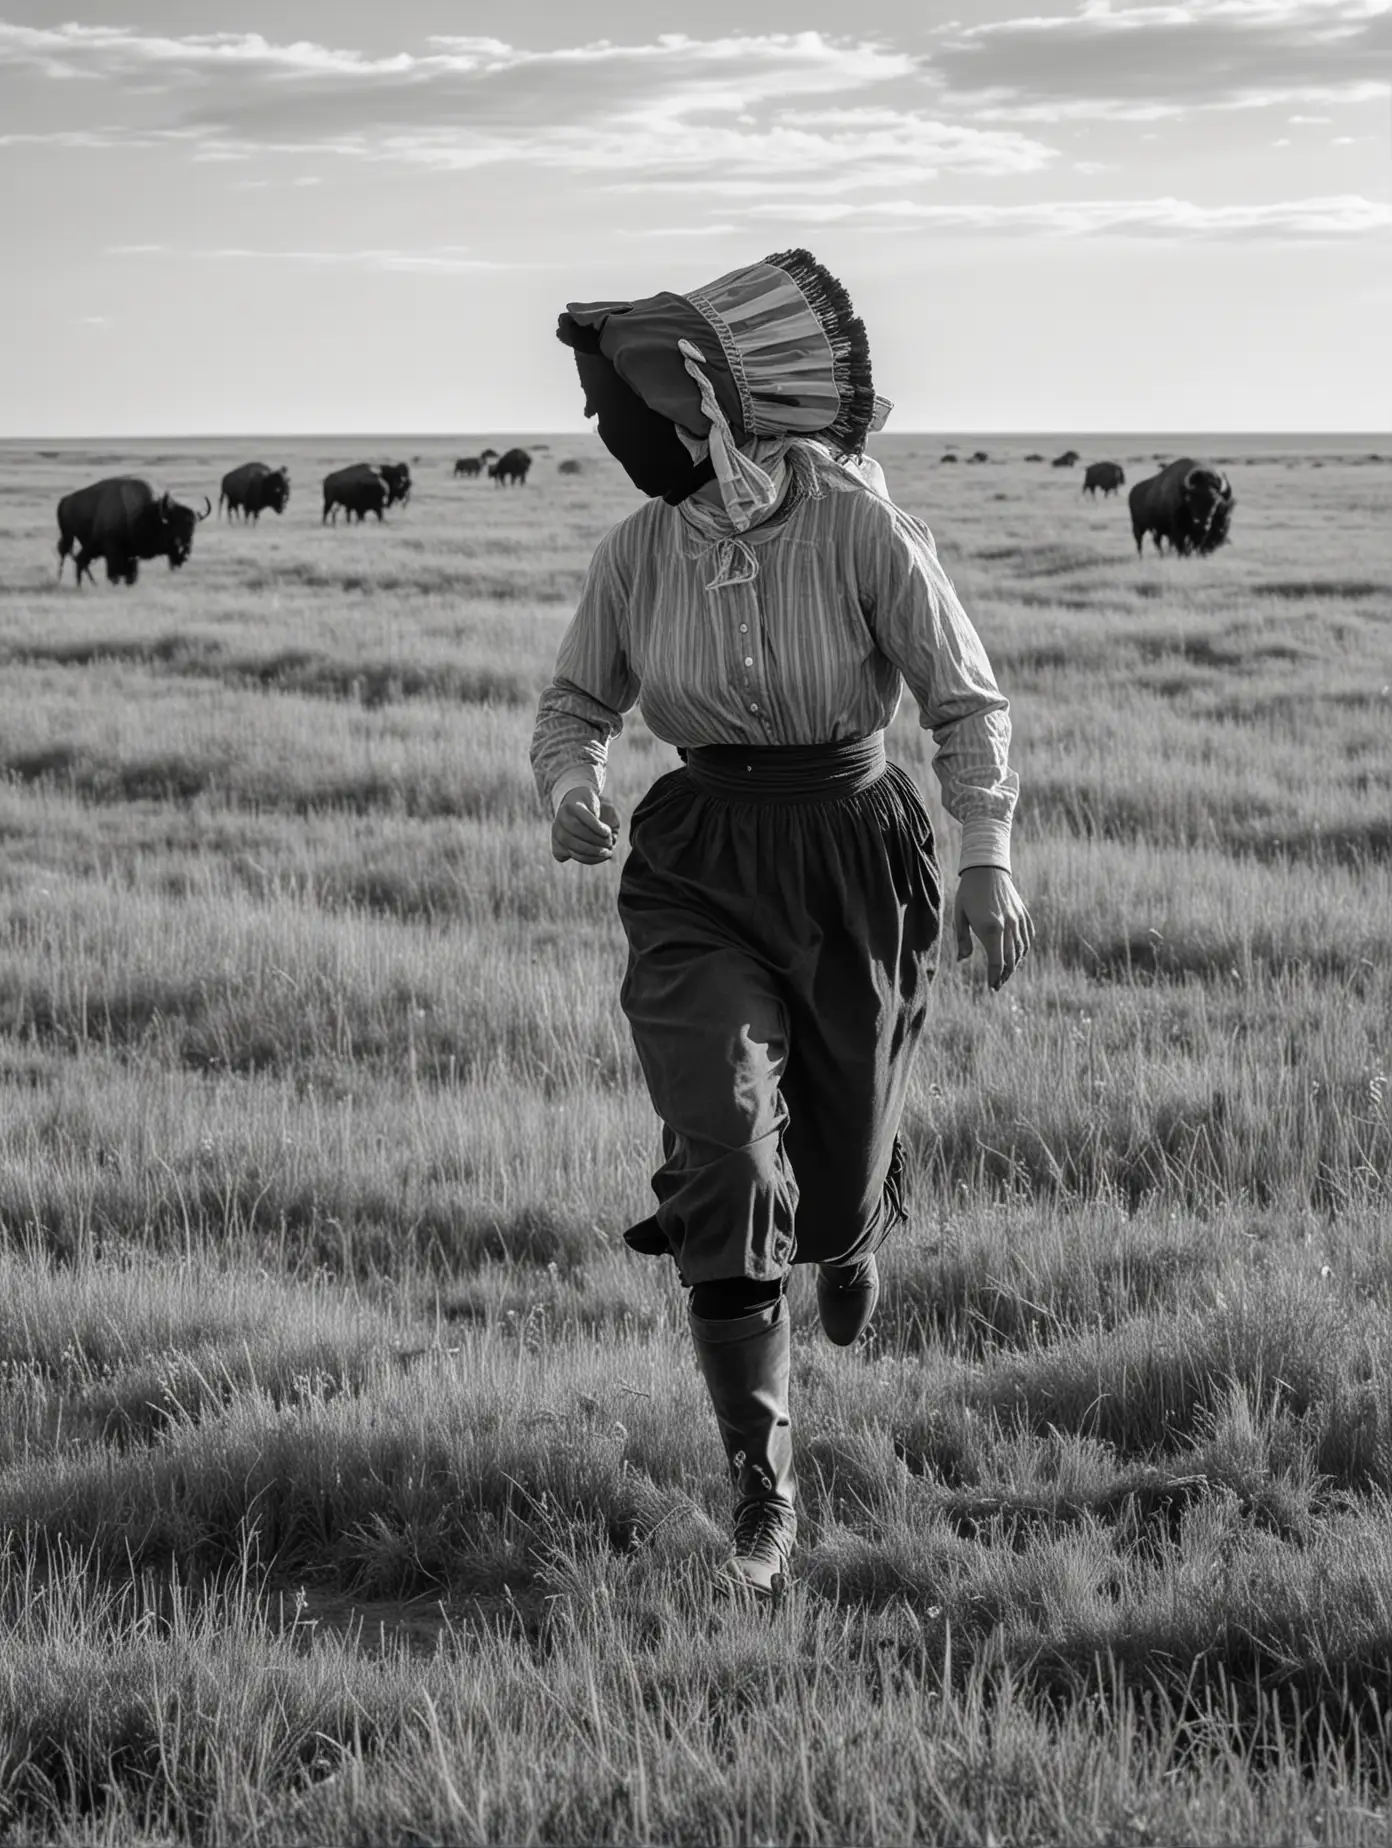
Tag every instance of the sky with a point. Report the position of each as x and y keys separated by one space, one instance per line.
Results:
x=296 y=216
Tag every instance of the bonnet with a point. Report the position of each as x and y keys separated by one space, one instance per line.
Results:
x=703 y=385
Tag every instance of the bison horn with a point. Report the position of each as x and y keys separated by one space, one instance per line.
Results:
x=207 y=508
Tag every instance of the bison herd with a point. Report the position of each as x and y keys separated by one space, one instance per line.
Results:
x=124 y=519
x=1187 y=506
x=505 y=469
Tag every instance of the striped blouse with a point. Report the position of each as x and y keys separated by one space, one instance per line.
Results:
x=820 y=616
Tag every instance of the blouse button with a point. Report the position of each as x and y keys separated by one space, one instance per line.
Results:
x=744 y=628
x=749 y=660
x=753 y=705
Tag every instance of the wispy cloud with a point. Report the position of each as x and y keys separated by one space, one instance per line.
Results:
x=804 y=127
x=105 y=138
x=777 y=103
x=444 y=259
x=1142 y=62
x=711 y=230
x=1344 y=215
x=228 y=78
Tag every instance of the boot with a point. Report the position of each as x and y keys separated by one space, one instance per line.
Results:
x=847 y=1293
x=846 y=1298
x=745 y=1363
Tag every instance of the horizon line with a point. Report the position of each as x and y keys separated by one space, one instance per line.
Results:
x=440 y=436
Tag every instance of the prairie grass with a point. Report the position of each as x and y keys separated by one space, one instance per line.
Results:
x=356 y=1483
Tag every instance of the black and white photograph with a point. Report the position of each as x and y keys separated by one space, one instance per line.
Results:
x=696 y=924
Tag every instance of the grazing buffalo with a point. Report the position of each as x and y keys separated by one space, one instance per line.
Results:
x=359 y=489
x=511 y=467
x=570 y=466
x=397 y=476
x=253 y=487
x=979 y=455
x=468 y=465
x=949 y=457
x=1109 y=476
x=1066 y=460
x=123 y=520
x=1189 y=503
x=1034 y=456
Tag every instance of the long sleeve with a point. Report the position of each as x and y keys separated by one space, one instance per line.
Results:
x=582 y=710
x=919 y=624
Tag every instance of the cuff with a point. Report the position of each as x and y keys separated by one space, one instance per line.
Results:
x=573 y=778
x=985 y=843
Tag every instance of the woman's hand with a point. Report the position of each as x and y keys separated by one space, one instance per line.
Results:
x=988 y=904
x=585 y=828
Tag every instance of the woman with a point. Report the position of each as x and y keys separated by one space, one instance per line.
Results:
x=780 y=896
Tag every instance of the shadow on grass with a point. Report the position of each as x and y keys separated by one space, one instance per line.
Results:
x=174 y=777
x=299 y=670
x=304 y=1228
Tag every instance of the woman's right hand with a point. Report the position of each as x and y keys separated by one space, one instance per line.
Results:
x=586 y=828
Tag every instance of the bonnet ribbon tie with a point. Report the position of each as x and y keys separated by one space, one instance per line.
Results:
x=746 y=490
x=729 y=552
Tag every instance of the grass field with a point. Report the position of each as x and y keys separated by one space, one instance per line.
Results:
x=356 y=1482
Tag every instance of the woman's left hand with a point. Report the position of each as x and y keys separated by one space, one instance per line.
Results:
x=988 y=905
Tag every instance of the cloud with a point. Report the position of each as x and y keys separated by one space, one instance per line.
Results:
x=775 y=103
x=713 y=230
x=1140 y=62
x=444 y=259
x=230 y=78
x=1344 y=215
x=87 y=139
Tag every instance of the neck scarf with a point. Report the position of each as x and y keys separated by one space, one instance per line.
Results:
x=791 y=466
x=767 y=462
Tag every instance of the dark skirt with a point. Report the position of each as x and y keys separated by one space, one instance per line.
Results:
x=783 y=911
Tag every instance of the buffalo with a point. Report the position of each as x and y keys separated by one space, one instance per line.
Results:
x=1109 y=476
x=1189 y=504
x=511 y=467
x=570 y=466
x=468 y=465
x=397 y=476
x=1066 y=460
x=979 y=455
x=949 y=457
x=1034 y=456
x=123 y=520
x=359 y=489
x=253 y=487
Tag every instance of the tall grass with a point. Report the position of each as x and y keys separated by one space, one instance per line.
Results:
x=356 y=1483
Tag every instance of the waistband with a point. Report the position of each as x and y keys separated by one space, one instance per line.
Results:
x=788 y=773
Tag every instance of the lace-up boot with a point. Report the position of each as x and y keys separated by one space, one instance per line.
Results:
x=745 y=1362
